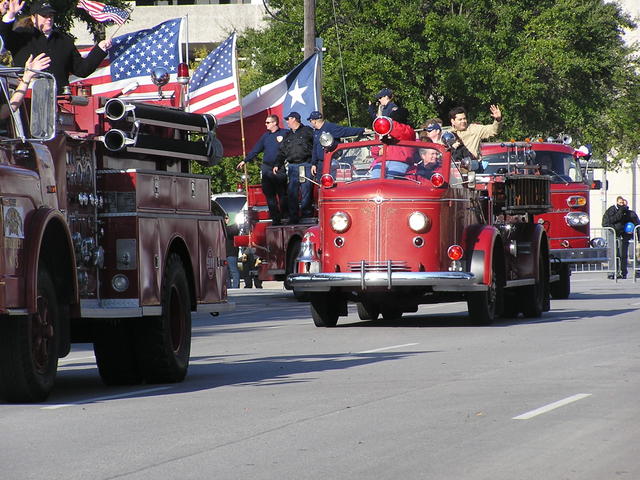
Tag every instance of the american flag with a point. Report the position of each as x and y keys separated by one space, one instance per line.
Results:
x=104 y=13
x=213 y=88
x=133 y=56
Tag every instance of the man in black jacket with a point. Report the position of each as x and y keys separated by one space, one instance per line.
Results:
x=296 y=150
x=617 y=216
x=44 y=38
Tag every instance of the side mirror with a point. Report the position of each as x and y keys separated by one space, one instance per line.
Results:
x=43 y=108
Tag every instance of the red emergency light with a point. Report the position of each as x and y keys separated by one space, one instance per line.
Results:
x=327 y=181
x=183 y=73
x=455 y=252
x=383 y=125
x=437 y=180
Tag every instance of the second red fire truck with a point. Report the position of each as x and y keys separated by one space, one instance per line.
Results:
x=390 y=239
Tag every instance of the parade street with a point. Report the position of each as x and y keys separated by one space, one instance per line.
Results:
x=270 y=396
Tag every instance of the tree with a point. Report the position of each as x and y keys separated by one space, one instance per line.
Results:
x=554 y=66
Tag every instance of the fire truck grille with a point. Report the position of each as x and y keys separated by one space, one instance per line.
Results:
x=393 y=266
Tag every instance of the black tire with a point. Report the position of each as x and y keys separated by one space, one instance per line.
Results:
x=290 y=267
x=485 y=306
x=301 y=296
x=115 y=349
x=367 y=311
x=29 y=348
x=391 y=313
x=164 y=342
x=561 y=289
x=323 y=312
x=534 y=296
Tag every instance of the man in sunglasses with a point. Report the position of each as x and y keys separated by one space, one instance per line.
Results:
x=274 y=181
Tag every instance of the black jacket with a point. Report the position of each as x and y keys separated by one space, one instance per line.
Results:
x=65 y=58
x=232 y=231
x=617 y=217
x=296 y=147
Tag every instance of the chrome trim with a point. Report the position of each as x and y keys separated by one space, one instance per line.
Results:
x=129 y=307
x=580 y=255
x=439 y=281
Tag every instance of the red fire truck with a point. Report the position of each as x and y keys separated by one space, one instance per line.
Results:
x=391 y=239
x=107 y=236
x=568 y=222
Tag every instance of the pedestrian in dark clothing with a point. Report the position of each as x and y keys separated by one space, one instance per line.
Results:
x=321 y=126
x=233 y=281
x=296 y=150
x=617 y=216
x=274 y=181
x=384 y=104
x=44 y=38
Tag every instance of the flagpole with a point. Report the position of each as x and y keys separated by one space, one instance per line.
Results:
x=244 y=148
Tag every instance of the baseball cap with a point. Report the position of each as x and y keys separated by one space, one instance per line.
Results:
x=41 y=7
x=295 y=115
x=385 y=92
x=433 y=126
x=315 y=115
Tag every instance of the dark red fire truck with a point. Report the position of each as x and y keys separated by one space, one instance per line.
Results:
x=568 y=221
x=391 y=239
x=106 y=235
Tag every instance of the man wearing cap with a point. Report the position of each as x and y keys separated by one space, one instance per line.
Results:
x=274 y=183
x=472 y=134
x=44 y=38
x=296 y=150
x=385 y=104
x=321 y=126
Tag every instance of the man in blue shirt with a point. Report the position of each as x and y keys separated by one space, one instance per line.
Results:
x=274 y=182
x=319 y=125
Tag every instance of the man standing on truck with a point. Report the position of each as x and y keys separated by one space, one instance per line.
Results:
x=384 y=104
x=296 y=150
x=274 y=182
x=44 y=38
x=317 y=121
x=617 y=217
x=471 y=135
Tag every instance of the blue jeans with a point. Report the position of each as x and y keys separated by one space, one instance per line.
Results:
x=394 y=169
x=234 y=274
x=301 y=191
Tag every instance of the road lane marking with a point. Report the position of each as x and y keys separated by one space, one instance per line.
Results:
x=388 y=348
x=552 y=406
x=107 y=397
x=64 y=361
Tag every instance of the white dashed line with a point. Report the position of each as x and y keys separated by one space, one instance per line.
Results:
x=99 y=399
x=389 y=348
x=552 y=406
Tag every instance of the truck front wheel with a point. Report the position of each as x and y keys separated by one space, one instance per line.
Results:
x=484 y=306
x=561 y=289
x=323 y=311
x=115 y=350
x=164 y=342
x=533 y=298
x=29 y=348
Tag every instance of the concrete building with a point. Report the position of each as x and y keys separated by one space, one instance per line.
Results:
x=210 y=21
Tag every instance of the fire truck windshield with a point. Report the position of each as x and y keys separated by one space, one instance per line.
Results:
x=402 y=162
x=562 y=167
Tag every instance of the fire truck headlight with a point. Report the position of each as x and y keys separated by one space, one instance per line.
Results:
x=419 y=222
x=340 y=222
x=576 y=201
x=120 y=283
x=577 y=219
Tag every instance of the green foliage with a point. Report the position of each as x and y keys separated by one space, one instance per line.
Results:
x=225 y=177
x=554 y=66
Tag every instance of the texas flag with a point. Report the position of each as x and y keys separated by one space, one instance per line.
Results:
x=294 y=92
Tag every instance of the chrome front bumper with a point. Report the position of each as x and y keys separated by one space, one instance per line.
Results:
x=439 y=281
x=580 y=255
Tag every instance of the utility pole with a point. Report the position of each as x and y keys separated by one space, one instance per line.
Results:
x=309 y=28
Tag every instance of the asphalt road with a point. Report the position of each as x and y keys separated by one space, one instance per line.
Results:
x=270 y=396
